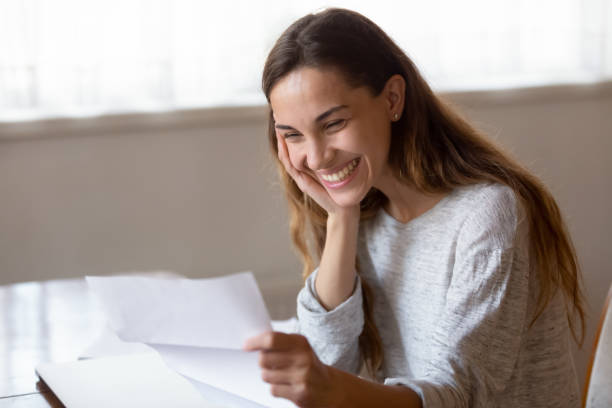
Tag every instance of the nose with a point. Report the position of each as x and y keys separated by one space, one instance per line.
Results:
x=318 y=154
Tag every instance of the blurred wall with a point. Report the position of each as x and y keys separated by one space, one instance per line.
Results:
x=195 y=191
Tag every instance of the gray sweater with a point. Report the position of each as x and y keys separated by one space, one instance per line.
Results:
x=453 y=304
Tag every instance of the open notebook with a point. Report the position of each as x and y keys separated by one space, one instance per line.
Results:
x=171 y=340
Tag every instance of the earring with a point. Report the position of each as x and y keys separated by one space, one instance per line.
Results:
x=395 y=116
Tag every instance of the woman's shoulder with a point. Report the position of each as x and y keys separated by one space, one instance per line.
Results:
x=486 y=197
x=493 y=214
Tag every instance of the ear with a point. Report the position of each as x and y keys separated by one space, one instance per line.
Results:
x=395 y=95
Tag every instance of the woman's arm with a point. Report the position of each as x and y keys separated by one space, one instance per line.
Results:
x=336 y=276
x=292 y=368
x=330 y=305
x=357 y=392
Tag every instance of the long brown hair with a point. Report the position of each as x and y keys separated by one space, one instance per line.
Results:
x=432 y=148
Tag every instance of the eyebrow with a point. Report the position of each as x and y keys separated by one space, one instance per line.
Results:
x=318 y=118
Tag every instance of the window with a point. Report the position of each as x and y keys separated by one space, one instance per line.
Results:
x=86 y=57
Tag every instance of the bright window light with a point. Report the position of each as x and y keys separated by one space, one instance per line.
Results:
x=88 y=57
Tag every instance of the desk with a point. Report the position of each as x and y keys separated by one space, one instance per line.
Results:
x=55 y=321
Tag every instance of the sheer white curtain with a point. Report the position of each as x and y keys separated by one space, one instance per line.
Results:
x=86 y=57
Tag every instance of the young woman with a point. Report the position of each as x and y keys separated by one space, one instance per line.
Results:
x=444 y=267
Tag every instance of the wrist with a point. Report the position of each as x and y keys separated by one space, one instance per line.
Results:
x=341 y=387
x=343 y=217
x=354 y=391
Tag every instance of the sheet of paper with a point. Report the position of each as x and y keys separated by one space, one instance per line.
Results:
x=219 y=312
x=107 y=343
x=230 y=370
x=197 y=326
x=218 y=396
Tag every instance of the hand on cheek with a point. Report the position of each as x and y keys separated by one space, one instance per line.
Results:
x=295 y=161
x=289 y=159
x=293 y=370
x=305 y=182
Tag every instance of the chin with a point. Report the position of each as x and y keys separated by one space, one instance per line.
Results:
x=352 y=193
x=347 y=203
x=348 y=199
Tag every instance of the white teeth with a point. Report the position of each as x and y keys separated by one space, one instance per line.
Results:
x=342 y=174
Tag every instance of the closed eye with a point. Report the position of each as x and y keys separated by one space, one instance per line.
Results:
x=335 y=124
x=289 y=135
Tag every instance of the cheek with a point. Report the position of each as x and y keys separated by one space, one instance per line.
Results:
x=379 y=140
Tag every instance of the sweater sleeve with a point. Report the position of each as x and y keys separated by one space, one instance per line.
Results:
x=475 y=345
x=333 y=334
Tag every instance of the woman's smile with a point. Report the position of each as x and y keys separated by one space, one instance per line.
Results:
x=342 y=176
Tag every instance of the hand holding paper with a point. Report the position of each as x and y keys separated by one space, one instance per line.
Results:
x=197 y=326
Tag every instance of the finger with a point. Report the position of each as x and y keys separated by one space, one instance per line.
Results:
x=282 y=391
x=268 y=341
x=275 y=359
x=304 y=181
x=276 y=341
x=285 y=377
x=254 y=343
x=283 y=156
x=280 y=146
x=297 y=393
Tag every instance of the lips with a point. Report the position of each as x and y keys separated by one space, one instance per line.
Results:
x=342 y=173
x=341 y=177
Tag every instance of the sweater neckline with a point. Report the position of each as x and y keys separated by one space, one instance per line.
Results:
x=421 y=219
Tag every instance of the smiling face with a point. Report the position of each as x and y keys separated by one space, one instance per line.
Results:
x=338 y=134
